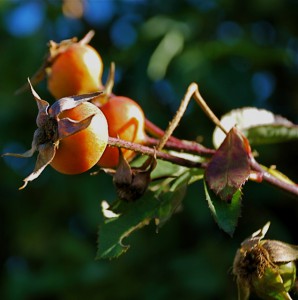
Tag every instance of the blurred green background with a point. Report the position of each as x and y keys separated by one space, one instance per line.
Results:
x=241 y=53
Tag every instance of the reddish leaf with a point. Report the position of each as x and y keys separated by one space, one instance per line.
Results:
x=229 y=167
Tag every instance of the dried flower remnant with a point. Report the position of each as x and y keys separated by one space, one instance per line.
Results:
x=265 y=267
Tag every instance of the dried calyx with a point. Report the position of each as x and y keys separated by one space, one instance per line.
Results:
x=265 y=267
x=131 y=182
x=51 y=129
x=107 y=91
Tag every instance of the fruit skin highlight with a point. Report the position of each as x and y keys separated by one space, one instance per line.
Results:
x=77 y=70
x=79 y=152
x=126 y=121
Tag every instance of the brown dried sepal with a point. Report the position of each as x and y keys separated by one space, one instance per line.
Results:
x=108 y=88
x=51 y=129
x=132 y=183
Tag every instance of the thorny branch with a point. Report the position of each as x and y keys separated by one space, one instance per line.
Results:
x=145 y=150
x=171 y=143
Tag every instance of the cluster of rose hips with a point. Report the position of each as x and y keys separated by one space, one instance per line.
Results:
x=73 y=135
x=77 y=70
x=73 y=132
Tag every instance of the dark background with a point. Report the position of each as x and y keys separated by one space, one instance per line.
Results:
x=241 y=53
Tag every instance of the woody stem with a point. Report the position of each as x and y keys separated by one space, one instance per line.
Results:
x=145 y=150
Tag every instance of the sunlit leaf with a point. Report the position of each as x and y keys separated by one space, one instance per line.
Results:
x=260 y=126
x=270 y=285
x=162 y=169
x=271 y=133
x=276 y=173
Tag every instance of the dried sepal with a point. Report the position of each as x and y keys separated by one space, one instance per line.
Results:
x=27 y=154
x=108 y=89
x=51 y=129
x=265 y=267
x=68 y=127
x=280 y=251
x=45 y=156
x=255 y=237
x=66 y=103
x=131 y=183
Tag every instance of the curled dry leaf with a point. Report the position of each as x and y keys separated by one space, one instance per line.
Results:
x=51 y=129
x=265 y=267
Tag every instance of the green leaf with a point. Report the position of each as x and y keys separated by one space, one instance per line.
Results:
x=225 y=214
x=162 y=169
x=172 y=199
x=270 y=285
x=274 y=172
x=113 y=231
x=124 y=218
x=229 y=167
x=287 y=272
x=271 y=133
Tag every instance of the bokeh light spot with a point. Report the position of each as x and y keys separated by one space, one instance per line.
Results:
x=229 y=32
x=263 y=84
x=123 y=34
x=263 y=33
x=25 y=19
x=99 y=12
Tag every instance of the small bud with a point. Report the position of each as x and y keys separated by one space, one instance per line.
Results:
x=265 y=267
